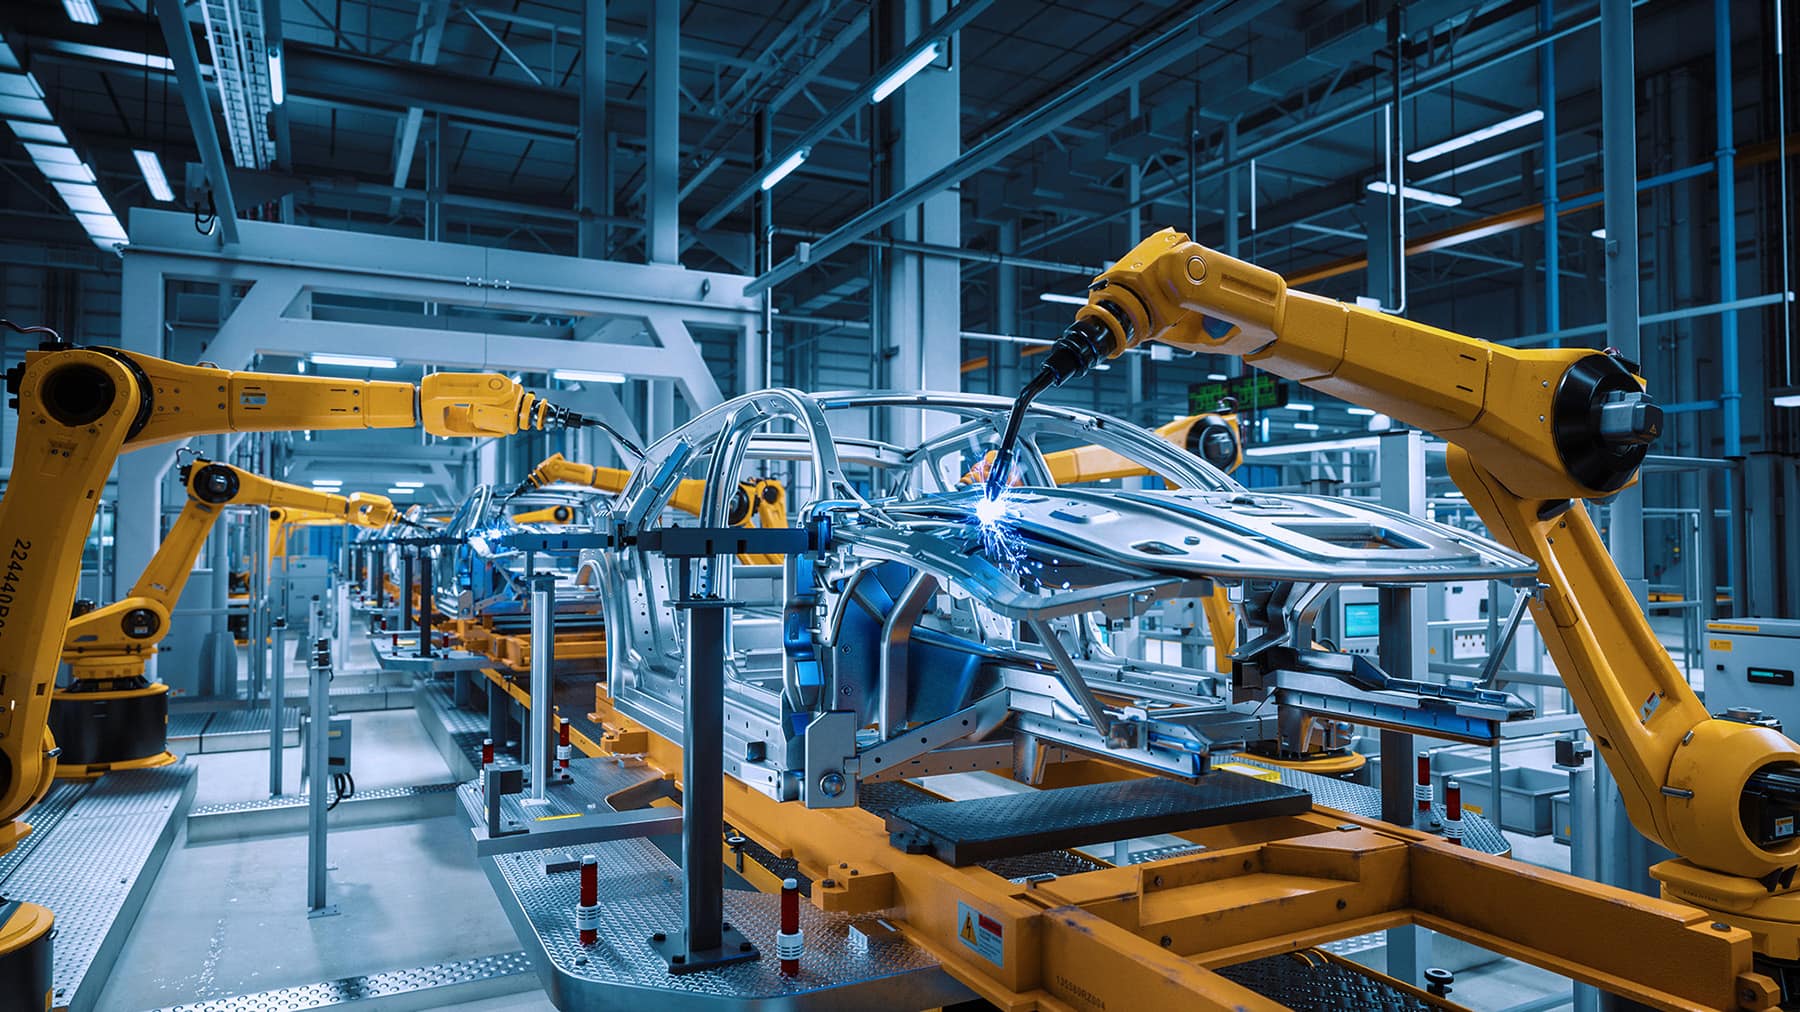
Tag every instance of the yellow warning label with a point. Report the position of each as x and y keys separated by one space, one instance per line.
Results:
x=1722 y=646
x=981 y=933
x=1471 y=808
x=1733 y=627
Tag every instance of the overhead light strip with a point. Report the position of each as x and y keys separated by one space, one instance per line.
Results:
x=1518 y=122
x=1414 y=193
x=904 y=73
x=586 y=376
x=786 y=168
x=354 y=361
x=151 y=167
x=23 y=107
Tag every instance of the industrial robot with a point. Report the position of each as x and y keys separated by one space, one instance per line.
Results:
x=1533 y=434
x=79 y=408
x=109 y=716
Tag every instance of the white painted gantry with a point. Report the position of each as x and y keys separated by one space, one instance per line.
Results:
x=286 y=266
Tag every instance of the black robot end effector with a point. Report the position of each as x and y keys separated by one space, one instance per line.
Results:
x=1074 y=354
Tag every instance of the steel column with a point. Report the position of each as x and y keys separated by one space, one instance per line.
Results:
x=426 y=604
x=593 y=152
x=318 y=736
x=1624 y=853
x=277 y=702
x=543 y=701
x=180 y=40
x=921 y=332
x=1401 y=650
x=662 y=239
x=1547 y=98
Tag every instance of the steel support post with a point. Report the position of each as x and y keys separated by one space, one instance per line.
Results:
x=1547 y=100
x=543 y=701
x=1583 y=838
x=592 y=148
x=318 y=737
x=1624 y=853
x=662 y=238
x=499 y=708
x=277 y=701
x=703 y=940
x=406 y=588
x=172 y=16
x=1400 y=651
x=921 y=333
x=426 y=603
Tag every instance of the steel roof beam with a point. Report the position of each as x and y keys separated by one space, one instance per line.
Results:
x=1181 y=39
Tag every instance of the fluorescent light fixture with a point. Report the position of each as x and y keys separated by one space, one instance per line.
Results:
x=328 y=482
x=1365 y=412
x=153 y=175
x=66 y=172
x=17 y=107
x=1298 y=406
x=43 y=133
x=1523 y=119
x=83 y=197
x=277 y=83
x=1787 y=401
x=1217 y=377
x=52 y=154
x=128 y=57
x=1067 y=300
x=409 y=484
x=354 y=361
x=786 y=168
x=1598 y=233
x=1307 y=426
x=587 y=376
x=904 y=73
x=402 y=491
x=103 y=228
x=82 y=12
x=1320 y=446
x=1414 y=193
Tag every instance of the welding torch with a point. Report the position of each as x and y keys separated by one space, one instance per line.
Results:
x=1074 y=354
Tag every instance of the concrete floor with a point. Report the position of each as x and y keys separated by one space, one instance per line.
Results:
x=230 y=918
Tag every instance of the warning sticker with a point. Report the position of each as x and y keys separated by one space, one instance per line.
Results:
x=1723 y=646
x=980 y=932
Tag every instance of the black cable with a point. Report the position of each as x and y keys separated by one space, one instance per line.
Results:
x=627 y=445
x=337 y=791
x=15 y=328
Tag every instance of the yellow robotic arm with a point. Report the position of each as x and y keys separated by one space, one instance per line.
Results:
x=1532 y=431
x=109 y=717
x=113 y=642
x=1213 y=437
x=762 y=500
x=367 y=510
x=79 y=408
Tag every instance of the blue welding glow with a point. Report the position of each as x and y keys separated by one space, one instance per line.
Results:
x=1000 y=539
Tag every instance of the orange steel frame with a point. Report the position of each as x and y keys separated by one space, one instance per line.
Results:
x=1150 y=936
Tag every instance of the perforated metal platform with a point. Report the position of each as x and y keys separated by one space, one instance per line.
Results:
x=1308 y=982
x=92 y=855
x=1365 y=802
x=962 y=833
x=423 y=987
x=642 y=891
x=288 y=813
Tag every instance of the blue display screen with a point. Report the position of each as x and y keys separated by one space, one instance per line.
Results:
x=1362 y=620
